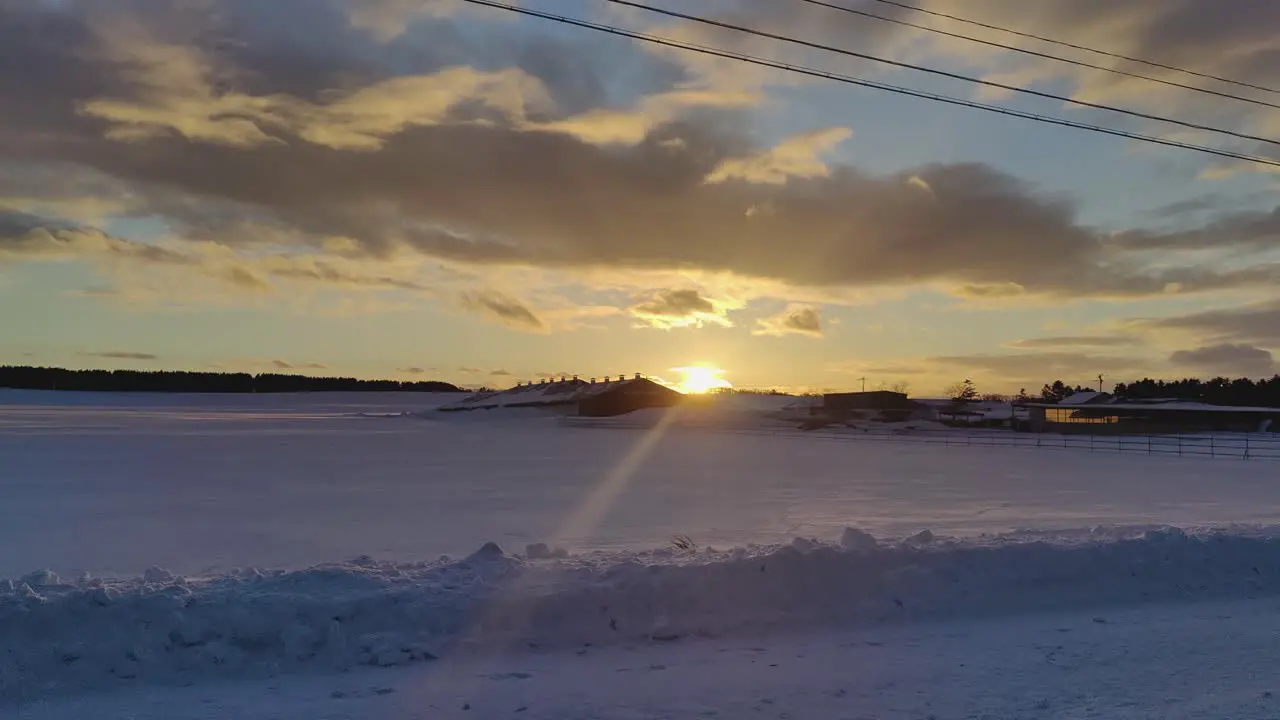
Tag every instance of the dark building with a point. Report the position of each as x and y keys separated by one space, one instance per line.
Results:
x=874 y=400
x=882 y=404
x=625 y=397
x=604 y=398
x=1121 y=417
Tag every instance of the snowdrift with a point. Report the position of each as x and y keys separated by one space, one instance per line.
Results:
x=57 y=635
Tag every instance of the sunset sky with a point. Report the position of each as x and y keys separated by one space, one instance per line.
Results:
x=393 y=188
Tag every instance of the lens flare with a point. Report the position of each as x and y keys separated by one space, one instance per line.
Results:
x=700 y=379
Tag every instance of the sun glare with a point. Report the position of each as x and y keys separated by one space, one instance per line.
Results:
x=699 y=379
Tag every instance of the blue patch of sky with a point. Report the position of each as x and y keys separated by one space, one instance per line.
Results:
x=1115 y=180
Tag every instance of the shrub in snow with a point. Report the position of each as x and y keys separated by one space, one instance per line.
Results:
x=855 y=540
x=684 y=543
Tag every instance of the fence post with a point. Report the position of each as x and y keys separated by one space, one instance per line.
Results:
x=1148 y=443
x=1213 y=451
x=1246 y=447
x=1179 y=444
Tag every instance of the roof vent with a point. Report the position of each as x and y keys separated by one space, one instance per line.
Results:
x=593 y=381
x=637 y=376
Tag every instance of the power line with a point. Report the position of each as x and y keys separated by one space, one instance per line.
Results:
x=942 y=73
x=1085 y=48
x=1034 y=53
x=802 y=70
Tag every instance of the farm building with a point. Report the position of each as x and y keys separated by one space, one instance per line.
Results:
x=1102 y=413
x=875 y=405
x=573 y=396
x=974 y=413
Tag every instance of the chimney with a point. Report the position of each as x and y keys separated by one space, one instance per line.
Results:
x=593 y=381
x=637 y=376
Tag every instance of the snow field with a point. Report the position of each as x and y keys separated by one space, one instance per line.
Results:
x=200 y=489
x=97 y=488
x=59 y=636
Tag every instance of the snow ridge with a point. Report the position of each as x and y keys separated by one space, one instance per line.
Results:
x=58 y=635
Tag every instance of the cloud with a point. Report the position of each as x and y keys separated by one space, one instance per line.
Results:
x=631 y=126
x=413 y=370
x=123 y=355
x=1251 y=324
x=1075 y=341
x=796 y=157
x=1033 y=368
x=30 y=238
x=680 y=308
x=287 y=365
x=39 y=238
x=505 y=309
x=1231 y=359
x=387 y=20
x=1248 y=230
x=892 y=370
x=795 y=320
x=990 y=291
x=500 y=373
x=486 y=147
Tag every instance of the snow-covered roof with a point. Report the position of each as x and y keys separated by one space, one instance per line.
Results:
x=544 y=394
x=1085 y=398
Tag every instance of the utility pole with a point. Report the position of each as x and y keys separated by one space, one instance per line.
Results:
x=864 y=383
x=1100 y=377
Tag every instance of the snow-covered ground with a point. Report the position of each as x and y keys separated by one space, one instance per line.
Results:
x=1209 y=661
x=227 y=539
x=205 y=484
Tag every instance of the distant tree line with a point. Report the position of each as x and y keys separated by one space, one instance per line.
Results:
x=1218 y=391
x=43 y=378
x=1057 y=391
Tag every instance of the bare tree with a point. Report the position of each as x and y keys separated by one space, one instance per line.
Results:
x=963 y=391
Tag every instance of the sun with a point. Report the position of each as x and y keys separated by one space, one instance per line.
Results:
x=700 y=379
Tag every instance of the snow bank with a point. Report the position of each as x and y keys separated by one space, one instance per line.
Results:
x=57 y=634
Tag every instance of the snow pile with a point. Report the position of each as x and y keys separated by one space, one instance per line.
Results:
x=56 y=634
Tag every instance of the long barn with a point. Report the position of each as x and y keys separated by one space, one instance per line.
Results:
x=573 y=396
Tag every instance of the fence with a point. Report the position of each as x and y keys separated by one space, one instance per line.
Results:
x=1227 y=446
x=1237 y=446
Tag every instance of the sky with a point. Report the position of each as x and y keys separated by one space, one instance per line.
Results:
x=437 y=190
